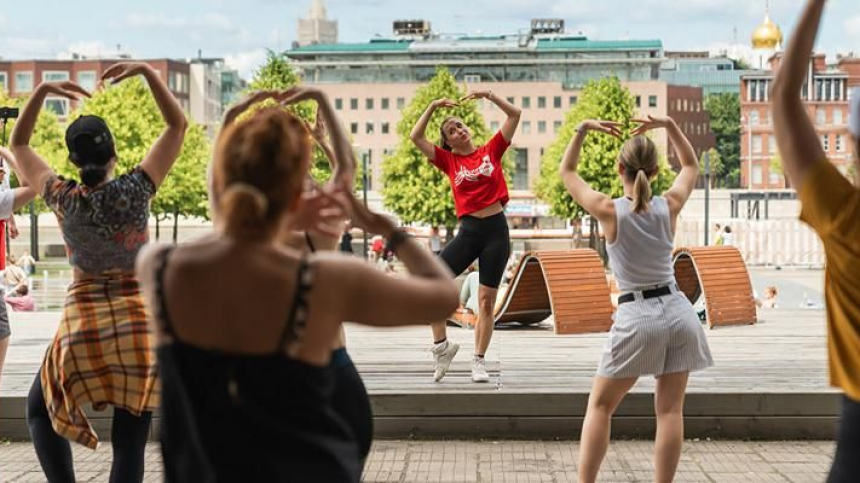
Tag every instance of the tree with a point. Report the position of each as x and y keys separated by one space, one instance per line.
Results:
x=604 y=99
x=131 y=113
x=725 y=115
x=278 y=74
x=413 y=188
x=716 y=162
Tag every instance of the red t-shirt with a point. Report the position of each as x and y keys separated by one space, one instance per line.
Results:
x=477 y=180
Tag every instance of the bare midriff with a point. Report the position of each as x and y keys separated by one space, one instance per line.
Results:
x=491 y=210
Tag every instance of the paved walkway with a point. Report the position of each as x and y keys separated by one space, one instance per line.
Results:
x=512 y=461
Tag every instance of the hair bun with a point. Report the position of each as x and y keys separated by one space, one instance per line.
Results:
x=244 y=207
x=93 y=174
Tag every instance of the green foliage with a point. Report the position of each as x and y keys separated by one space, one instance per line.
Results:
x=725 y=116
x=716 y=162
x=603 y=99
x=278 y=74
x=135 y=121
x=48 y=140
x=414 y=189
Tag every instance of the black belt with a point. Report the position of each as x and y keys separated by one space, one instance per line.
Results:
x=646 y=294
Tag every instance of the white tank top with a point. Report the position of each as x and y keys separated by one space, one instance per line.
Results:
x=641 y=255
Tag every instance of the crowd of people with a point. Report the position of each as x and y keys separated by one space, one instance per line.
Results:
x=259 y=386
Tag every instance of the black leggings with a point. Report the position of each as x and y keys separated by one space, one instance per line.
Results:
x=484 y=239
x=128 y=439
x=351 y=402
x=846 y=464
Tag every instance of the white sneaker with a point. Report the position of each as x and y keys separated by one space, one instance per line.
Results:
x=479 y=371
x=443 y=359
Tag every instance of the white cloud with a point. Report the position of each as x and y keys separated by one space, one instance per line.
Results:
x=852 y=26
x=92 y=48
x=29 y=47
x=3 y=21
x=246 y=62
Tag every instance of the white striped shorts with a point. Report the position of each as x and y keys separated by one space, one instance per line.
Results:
x=660 y=335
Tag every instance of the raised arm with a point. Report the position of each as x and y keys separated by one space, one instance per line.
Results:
x=685 y=182
x=596 y=203
x=799 y=144
x=32 y=168
x=509 y=128
x=166 y=149
x=371 y=297
x=340 y=147
x=418 y=134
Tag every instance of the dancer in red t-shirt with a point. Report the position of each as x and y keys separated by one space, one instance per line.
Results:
x=480 y=194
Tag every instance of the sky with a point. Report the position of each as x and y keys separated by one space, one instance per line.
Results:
x=241 y=31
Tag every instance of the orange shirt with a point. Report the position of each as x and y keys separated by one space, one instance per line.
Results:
x=831 y=206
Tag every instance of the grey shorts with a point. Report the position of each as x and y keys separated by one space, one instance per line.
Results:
x=5 y=331
x=660 y=335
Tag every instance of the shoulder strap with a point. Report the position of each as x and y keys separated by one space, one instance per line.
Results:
x=310 y=242
x=298 y=315
x=163 y=317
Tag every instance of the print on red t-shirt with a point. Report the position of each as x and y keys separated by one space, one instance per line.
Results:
x=477 y=180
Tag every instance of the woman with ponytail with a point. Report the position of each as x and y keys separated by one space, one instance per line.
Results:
x=656 y=331
x=102 y=354
x=248 y=380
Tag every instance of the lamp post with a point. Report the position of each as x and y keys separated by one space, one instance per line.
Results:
x=364 y=156
x=750 y=152
x=707 y=195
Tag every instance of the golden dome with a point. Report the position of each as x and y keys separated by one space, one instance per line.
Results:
x=767 y=35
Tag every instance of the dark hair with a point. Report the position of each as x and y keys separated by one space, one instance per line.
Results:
x=22 y=289
x=92 y=159
x=728 y=229
x=443 y=138
x=639 y=158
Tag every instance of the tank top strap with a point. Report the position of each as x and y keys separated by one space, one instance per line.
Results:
x=298 y=315
x=162 y=317
x=310 y=243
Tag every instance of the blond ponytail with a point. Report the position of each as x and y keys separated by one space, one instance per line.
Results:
x=641 y=193
x=244 y=210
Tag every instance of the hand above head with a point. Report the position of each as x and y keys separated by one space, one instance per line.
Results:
x=607 y=127
x=476 y=95
x=444 y=103
x=317 y=130
x=124 y=70
x=649 y=123
x=363 y=218
x=298 y=94
x=67 y=89
x=246 y=102
x=318 y=212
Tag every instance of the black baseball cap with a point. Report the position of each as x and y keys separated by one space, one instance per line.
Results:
x=89 y=141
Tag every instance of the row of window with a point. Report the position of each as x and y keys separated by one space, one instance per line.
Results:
x=370 y=103
x=24 y=80
x=838 y=143
x=60 y=106
x=652 y=101
x=827 y=90
x=836 y=119
x=525 y=102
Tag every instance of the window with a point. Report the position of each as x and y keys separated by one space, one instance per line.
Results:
x=825 y=142
x=541 y=102
x=556 y=102
x=820 y=115
x=368 y=128
x=384 y=103
x=384 y=128
x=757 y=174
x=840 y=148
x=771 y=144
x=353 y=104
x=527 y=127
x=353 y=128
x=87 y=79
x=55 y=76
x=401 y=103
x=652 y=101
x=774 y=177
x=638 y=101
x=541 y=127
x=756 y=143
x=368 y=103
x=572 y=101
x=471 y=78
x=338 y=103
x=837 y=117
x=556 y=126
x=755 y=119
x=60 y=107
x=521 y=169
x=511 y=100
x=23 y=82
x=4 y=82
x=494 y=126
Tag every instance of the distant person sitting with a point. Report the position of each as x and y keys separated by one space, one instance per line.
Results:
x=27 y=263
x=769 y=300
x=14 y=275
x=469 y=301
x=20 y=299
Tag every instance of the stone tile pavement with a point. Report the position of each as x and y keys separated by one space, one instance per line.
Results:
x=511 y=462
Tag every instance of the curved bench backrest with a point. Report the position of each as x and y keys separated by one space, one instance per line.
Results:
x=721 y=276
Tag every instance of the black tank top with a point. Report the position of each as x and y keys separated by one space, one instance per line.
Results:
x=235 y=417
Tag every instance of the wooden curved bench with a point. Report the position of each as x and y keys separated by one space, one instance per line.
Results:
x=571 y=284
x=721 y=276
